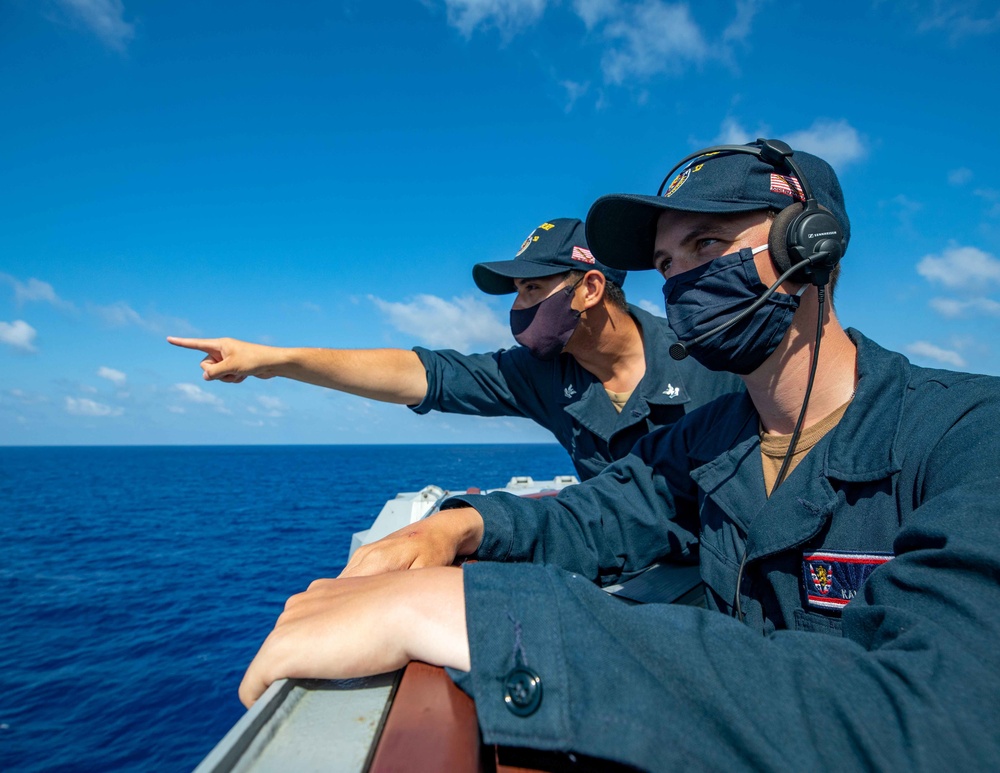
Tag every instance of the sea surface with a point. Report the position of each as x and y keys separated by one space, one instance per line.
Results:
x=138 y=582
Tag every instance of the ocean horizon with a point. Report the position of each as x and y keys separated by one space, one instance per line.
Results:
x=140 y=580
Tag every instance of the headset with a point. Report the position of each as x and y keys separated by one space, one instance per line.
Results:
x=804 y=234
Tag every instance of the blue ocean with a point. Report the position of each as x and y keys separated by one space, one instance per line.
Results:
x=138 y=582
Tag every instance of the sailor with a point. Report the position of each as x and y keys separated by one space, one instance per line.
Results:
x=853 y=602
x=591 y=368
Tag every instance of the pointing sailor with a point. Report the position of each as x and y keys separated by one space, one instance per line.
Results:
x=591 y=368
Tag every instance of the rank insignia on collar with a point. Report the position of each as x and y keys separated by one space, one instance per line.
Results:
x=832 y=578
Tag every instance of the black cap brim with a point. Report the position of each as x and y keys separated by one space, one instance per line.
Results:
x=497 y=278
x=621 y=230
x=621 y=227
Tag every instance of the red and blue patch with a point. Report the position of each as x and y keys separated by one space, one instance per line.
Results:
x=832 y=578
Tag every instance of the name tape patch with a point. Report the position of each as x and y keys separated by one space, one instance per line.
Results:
x=832 y=578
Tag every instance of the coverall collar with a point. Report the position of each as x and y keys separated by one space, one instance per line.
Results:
x=662 y=384
x=860 y=449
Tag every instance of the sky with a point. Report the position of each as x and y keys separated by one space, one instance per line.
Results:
x=327 y=173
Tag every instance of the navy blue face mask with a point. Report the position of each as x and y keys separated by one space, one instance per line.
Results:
x=707 y=296
x=545 y=328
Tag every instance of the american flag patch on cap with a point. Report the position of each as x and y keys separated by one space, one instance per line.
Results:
x=583 y=255
x=787 y=185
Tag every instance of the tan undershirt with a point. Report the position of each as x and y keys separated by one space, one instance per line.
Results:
x=774 y=447
x=618 y=399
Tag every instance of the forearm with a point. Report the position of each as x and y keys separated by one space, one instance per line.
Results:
x=607 y=528
x=389 y=375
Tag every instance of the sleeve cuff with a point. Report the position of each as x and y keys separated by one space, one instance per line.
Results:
x=428 y=403
x=514 y=630
x=498 y=525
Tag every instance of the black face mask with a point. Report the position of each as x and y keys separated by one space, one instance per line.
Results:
x=545 y=328
x=704 y=297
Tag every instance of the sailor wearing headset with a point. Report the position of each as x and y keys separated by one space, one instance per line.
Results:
x=844 y=515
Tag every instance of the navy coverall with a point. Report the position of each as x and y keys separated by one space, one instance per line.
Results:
x=871 y=593
x=568 y=400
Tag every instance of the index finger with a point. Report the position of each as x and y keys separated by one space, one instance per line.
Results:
x=201 y=344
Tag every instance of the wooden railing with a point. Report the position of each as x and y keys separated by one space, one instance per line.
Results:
x=432 y=728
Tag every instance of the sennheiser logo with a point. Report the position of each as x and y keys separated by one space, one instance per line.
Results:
x=825 y=233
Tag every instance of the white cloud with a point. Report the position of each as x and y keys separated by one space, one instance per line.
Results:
x=116 y=377
x=28 y=398
x=271 y=403
x=105 y=18
x=837 y=142
x=904 y=209
x=929 y=351
x=195 y=394
x=953 y=307
x=121 y=314
x=991 y=197
x=959 y=176
x=594 y=11
x=739 y=27
x=508 y=16
x=461 y=323
x=733 y=133
x=652 y=308
x=959 y=19
x=81 y=406
x=642 y=38
x=651 y=38
x=271 y=407
x=905 y=206
x=34 y=290
x=574 y=91
x=966 y=268
x=18 y=334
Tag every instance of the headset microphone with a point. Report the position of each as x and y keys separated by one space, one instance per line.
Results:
x=679 y=350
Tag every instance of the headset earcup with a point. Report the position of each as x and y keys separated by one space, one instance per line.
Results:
x=777 y=242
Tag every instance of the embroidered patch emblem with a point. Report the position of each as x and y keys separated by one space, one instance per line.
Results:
x=569 y=392
x=677 y=182
x=527 y=243
x=672 y=391
x=832 y=578
x=583 y=255
x=787 y=185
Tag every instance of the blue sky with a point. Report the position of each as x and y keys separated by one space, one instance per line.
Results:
x=326 y=174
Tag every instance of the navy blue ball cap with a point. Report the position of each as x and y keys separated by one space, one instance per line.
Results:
x=555 y=247
x=621 y=227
